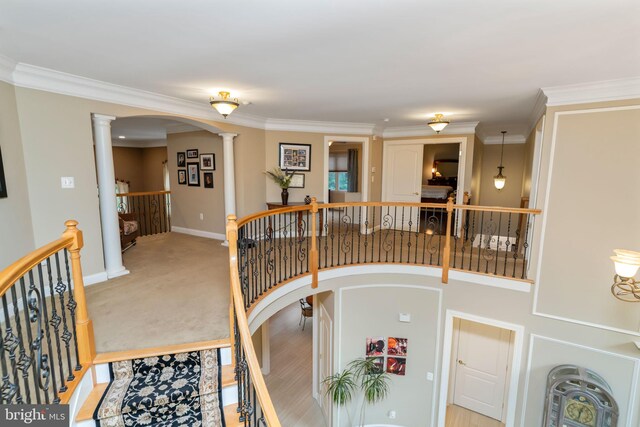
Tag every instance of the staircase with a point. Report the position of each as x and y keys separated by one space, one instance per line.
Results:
x=87 y=412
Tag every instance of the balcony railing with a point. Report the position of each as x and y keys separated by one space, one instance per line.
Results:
x=47 y=337
x=271 y=248
x=151 y=209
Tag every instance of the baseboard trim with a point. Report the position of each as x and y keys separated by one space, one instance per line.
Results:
x=199 y=233
x=92 y=279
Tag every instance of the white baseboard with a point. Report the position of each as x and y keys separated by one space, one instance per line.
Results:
x=92 y=279
x=199 y=233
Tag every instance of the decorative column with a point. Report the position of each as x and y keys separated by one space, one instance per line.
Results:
x=106 y=191
x=229 y=175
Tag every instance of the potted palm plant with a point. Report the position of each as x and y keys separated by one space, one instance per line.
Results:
x=360 y=376
x=283 y=179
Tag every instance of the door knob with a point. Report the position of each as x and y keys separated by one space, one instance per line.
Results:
x=460 y=362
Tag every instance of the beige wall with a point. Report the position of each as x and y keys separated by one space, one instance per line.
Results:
x=153 y=159
x=16 y=235
x=529 y=148
x=187 y=203
x=127 y=166
x=476 y=175
x=514 y=157
x=375 y=161
x=580 y=233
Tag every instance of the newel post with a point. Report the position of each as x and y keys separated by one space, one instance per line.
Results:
x=232 y=238
x=447 y=243
x=313 y=255
x=84 y=325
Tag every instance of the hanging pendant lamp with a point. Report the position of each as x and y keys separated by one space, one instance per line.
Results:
x=500 y=180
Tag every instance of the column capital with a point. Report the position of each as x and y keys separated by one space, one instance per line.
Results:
x=228 y=135
x=102 y=118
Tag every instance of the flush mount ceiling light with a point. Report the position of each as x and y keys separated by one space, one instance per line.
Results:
x=223 y=104
x=500 y=180
x=625 y=287
x=438 y=123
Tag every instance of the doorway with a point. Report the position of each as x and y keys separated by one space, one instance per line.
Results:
x=481 y=361
x=339 y=153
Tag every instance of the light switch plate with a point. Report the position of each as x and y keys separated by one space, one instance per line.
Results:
x=404 y=317
x=67 y=182
x=429 y=376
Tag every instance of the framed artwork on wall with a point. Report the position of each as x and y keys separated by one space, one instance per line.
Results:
x=375 y=346
x=193 y=174
x=192 y=153
x=208 y=179
x=181 y=159
x=297 y=180
x=295 y=157
x=208 y=162
x=3 y=183
x=182 y=177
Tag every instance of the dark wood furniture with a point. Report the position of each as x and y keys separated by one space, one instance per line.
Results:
x=127 y=240
x=306 y=311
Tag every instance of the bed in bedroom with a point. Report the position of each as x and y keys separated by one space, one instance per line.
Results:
x=435 y=193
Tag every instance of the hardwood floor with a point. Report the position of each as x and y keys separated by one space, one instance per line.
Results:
x=290 y=379
x=462 y=417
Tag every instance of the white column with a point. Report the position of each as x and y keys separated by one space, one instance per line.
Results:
x=106 y=190
x=229 y=175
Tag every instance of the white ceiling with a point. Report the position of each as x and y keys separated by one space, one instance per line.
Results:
x=342 y=60
x=146 y=129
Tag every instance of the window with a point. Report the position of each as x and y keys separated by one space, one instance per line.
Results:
x=339 y=181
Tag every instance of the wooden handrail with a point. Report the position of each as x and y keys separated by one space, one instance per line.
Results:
x=143 y=193
x=259 y=385
x=498 y=209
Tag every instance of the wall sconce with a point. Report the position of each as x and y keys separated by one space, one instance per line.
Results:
x=625 y=287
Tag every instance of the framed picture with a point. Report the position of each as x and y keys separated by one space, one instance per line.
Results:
x=378 y=363
x=3 y=183
x=208 y=179
x=295 y=157
x=208 y=162
x=192 y=154
x=396 y=365
x=182 y=177
x=181 y=159
x=193 y=174
x=375 y=346
x=397 y=346
x=297 y=180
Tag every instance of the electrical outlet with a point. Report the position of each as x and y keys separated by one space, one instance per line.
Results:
x=391 y=414
x=201 y=217
x=67 y=182
x=429 y=376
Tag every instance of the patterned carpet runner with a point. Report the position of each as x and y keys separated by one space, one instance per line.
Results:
x=181 y=389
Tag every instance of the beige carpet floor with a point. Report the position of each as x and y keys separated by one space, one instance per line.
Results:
x=177 y=292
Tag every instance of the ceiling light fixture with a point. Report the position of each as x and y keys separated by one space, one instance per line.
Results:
x=500 y=180
x=121 y=137
x=625 y=287
x=224 y=105
x=438 y=123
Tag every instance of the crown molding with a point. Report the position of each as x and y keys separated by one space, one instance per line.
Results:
x=7 y=66
x=608 y=90
x=455 y=128
x=139 y=144
x=320 y=127
x=539 y=108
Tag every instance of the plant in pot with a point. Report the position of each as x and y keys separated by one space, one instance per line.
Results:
x=360 y=376
x=283 y=179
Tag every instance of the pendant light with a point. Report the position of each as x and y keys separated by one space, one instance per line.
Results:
x=224 y=105
x=438 y=123
x=500 y=180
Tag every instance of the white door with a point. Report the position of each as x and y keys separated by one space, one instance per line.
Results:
x=325 y=359
x=481 y=368
x=402 y=174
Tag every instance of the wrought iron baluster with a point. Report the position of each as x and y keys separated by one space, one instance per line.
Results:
x=23 y=361
x=71 y=305
x=401 y=236
x=29 y=318
x=525 y=245
x=373 y=232
x=332 y=234
x=10 y=343
x=55 y=322
x=61 y=288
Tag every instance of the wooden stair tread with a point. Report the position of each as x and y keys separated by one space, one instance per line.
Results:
x=91 y=402
x=231 y=416
x=228 y=375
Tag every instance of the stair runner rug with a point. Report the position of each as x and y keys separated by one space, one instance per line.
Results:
x=181 y=389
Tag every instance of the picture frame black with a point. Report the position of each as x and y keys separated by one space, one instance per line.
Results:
x=181 y=159
x=182 y=177
x=192 y=153
x=297 y=180
x=3 y=182
x=193 y=174
x=208 y=179
x=207 y=162
x=294 y=157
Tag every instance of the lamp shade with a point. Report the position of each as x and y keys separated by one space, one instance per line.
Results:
x=499 y=181
x=438 y=123
x=626 y=262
